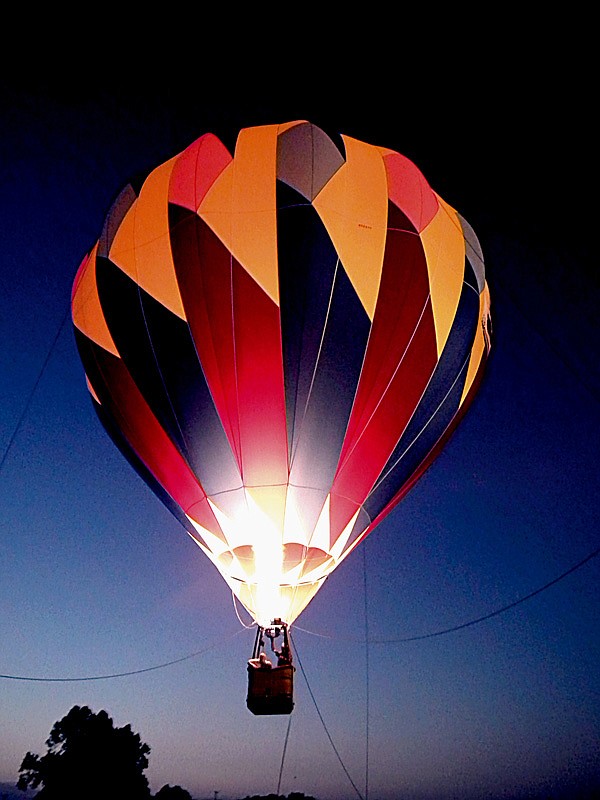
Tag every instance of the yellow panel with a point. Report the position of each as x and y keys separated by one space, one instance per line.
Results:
x=444 y=247
x=293 y=599
x=142 y=248
x=86 y=309
x=240 y=207
x=480 y=344
x=271 y=502
x=474 y=362
x=353 y=206
x=298 y=597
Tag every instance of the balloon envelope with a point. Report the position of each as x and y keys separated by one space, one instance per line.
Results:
x=280 y=342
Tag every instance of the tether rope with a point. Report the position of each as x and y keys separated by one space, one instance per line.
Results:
x=335 y=750
x=287 y=735
x=33 y=390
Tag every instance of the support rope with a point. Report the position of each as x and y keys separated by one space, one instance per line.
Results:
x=335 y=750
x=287 y=735
x=34 y=388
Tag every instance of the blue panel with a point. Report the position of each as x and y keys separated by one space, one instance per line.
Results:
x=158 y=350
x=307 y=262
x=324 y=332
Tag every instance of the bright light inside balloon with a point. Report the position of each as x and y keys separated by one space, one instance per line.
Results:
x=251 y=556
x=268 y=564
x=251 y=559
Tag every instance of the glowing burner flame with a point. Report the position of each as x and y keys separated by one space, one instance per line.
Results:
x=251 y=556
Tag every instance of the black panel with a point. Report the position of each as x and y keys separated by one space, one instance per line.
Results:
x=324 y=340
x=87 y=354
x=137 y=180
x=288 y=197
x=114 y=218
x=158 y=351
x=436 y=410
x=398 y=220
x=307 y=262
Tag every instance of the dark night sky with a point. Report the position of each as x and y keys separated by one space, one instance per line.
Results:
x=98 y=578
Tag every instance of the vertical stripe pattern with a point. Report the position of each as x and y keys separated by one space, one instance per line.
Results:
x=280 y=341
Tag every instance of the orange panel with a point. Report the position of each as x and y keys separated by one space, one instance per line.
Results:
x=353 y=207
x=480 y=344
x=142 y=247
x=285 y=126
x=91 y=390
x=240 y=207
x=444 y=247
x=86 y=308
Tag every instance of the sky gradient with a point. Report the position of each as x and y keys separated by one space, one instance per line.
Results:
x=98 y=578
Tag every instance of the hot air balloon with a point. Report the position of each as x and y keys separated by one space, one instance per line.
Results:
x=280 y=341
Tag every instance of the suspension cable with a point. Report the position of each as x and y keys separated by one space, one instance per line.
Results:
x=235 y=608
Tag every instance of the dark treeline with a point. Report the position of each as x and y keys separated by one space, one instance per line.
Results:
x=87 y=756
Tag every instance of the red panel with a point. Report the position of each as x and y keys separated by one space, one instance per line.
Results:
x=237 y=333
x=400 y=357
x=203 y=514
x=341 y=511
x=144 y=434
x=261 y=396
x=409 y=190
x=196 y=169
x=402 y=300
x=365 y=462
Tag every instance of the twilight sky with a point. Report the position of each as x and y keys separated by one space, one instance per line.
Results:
x=98 y=578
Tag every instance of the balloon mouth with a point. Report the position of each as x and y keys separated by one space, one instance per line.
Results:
x=267 y=604
x=272 y=563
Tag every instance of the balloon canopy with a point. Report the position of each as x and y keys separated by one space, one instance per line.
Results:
x=280 y=342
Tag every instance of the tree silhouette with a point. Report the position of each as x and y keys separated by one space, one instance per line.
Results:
x=88 y=757
x=172 y=793
x=292 y=796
